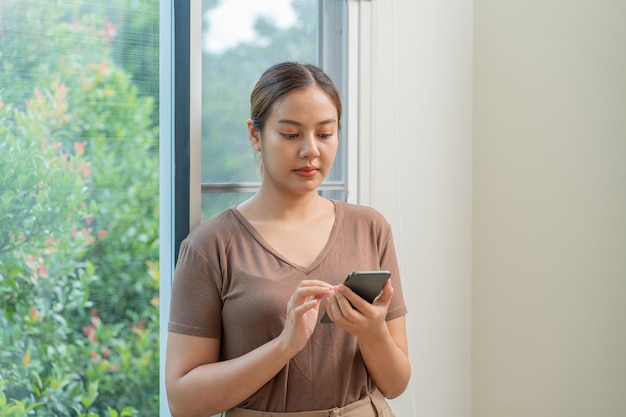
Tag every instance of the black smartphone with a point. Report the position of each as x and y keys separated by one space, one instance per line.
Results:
x=367 y=284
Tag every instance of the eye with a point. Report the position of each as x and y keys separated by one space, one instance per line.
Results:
x=290 y=136
x=326 y=135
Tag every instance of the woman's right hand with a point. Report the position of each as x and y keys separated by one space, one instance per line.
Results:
x=199 y=384
x=302 y=313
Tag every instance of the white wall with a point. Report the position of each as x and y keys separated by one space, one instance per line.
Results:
x=548 y=159
x=549 y=279
x=419 y=164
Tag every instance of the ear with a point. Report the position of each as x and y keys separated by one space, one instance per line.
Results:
x=254 y=136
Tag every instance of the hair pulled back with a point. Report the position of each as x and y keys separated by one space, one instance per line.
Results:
x=280 y=80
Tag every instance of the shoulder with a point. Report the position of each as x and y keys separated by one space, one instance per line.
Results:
x=362 y=219
x=217 y=229
x=361 y=214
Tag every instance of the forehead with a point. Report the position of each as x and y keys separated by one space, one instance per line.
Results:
x=311 y=103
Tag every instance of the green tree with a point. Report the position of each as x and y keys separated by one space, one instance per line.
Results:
x=136 y=44
x=79 y=210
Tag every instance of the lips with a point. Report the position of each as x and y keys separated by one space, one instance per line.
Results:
x=307 y=168
x=307 y=171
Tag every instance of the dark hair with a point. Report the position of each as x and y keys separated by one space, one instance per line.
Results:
x=281 y=79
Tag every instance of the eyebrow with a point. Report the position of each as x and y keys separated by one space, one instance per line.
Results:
x=296 y=123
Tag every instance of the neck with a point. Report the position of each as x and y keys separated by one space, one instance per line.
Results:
x=269 y=206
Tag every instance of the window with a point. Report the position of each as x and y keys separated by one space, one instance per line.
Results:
x=239 y=40
x=207 y=164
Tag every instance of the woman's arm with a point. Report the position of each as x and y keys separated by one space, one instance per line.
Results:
x=386 y=357
x=200 y=385
x=383 y=343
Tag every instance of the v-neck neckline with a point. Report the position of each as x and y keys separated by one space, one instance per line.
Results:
x=304 y=269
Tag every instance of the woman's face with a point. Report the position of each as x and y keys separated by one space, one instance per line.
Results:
x=299 y=141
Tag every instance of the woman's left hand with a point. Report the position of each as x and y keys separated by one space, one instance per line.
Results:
x=355 y=315
x=382 y=343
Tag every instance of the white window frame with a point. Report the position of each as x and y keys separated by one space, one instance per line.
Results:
x=166 y=185
x=360 y=97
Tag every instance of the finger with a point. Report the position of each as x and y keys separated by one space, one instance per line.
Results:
x=314 y=302
x=385 y=296
x=353 y=298
x=308 y=304
x=317 y=291
x=314 y=282
x=345 y=307
x=332 y=307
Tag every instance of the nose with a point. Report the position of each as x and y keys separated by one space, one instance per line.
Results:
x=309 y=147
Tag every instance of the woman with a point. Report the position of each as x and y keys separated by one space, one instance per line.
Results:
x=252 y=283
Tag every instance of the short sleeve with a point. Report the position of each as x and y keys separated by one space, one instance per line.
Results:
x=196 y=302
x=389 y=262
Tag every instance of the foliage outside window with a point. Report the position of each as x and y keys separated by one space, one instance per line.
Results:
x=79 y=331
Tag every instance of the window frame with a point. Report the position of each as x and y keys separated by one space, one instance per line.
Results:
x=167 y=183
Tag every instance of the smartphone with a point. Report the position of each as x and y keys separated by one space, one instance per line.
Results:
x=367 y=284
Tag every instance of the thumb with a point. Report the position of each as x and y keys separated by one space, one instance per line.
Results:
x=385 y=296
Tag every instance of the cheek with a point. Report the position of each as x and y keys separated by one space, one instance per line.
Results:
x=273 y=154
x=330 y=148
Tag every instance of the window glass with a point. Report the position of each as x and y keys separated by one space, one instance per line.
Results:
x=79 y=325
x=240 y=40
